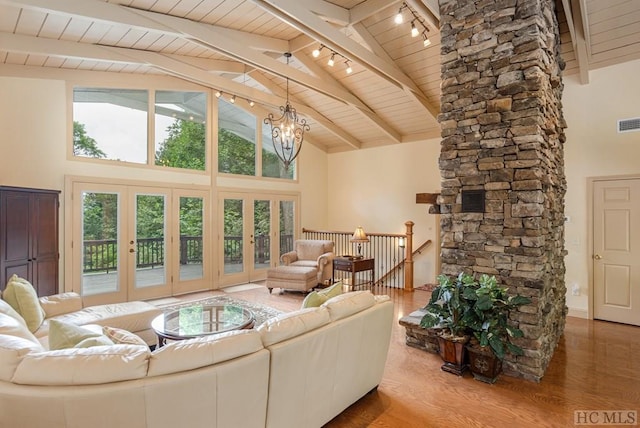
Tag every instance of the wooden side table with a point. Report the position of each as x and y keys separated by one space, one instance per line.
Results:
x=345 y=264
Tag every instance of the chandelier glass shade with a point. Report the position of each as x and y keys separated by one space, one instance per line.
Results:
x=287 y=131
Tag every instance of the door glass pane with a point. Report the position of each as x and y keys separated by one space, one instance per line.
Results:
x=233 y=223
x=236 y=140
x=287 y=225
x=261 y=234
x=191 y=221
x=180 y=129
x=99 y=243
x=150 y=240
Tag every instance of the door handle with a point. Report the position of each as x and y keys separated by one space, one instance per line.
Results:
x=597 y=256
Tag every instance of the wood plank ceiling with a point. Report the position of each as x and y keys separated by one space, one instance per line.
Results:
x=391 y=97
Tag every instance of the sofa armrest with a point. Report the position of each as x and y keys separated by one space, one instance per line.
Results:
x=59 y=304
x=325 y=259
x=288 y=258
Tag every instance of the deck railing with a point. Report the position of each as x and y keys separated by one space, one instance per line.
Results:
x=101 y=255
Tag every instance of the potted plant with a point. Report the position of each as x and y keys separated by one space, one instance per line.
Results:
x=450 y=308
x=491 y=330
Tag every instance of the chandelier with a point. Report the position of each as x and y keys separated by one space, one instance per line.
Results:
x=287 y=131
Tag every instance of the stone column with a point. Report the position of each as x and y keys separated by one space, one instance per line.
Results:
x=502 y=139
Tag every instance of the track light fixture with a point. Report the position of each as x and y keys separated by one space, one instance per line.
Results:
x=398 y=19
x=416 y=22
x=414 y=30
x=332 y=59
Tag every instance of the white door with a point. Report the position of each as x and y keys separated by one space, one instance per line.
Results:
x=255 y=230
x=138 y=243
x=616 y=250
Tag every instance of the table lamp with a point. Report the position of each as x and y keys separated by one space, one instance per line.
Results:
x=359 y=237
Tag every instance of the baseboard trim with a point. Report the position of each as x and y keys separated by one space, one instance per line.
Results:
x=578 y=313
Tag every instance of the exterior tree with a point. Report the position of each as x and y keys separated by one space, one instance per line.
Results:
x=83 y=145
x=184 y=147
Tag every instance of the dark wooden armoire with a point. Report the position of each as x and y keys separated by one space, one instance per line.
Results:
x=29 y=237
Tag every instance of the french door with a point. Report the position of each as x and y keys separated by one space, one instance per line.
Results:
x=136 y=243
x=255 y=229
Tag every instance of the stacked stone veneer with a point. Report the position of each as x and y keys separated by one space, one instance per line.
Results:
x=503 y=131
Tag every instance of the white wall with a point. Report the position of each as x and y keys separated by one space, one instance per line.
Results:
x=595 y=149
x=376 y=189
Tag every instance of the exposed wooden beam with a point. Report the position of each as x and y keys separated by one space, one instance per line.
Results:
x=574 y=12
x=328 y=11
x=433 y=7
x=368 y=8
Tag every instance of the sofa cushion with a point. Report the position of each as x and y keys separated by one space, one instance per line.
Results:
x=313 y=300
x=12 y=349
x=6 y=309
x=83 y=366
x=317 y=298
x=292 y=324
x=130 y=316
x=59 y=304
x=123 y=337
x=101 y=340
x=203 y=351
x=14 y=327
x=348 y=304
x=63 y=335
x=21 y=295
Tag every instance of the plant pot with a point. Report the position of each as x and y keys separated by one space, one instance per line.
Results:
x=483 y=364
x=452 y=351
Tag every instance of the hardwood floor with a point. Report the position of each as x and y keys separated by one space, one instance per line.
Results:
x=595 y=367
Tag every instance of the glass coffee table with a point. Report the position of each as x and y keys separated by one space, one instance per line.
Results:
x=200 y=320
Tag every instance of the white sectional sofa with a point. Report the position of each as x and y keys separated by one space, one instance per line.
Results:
x=299 y=369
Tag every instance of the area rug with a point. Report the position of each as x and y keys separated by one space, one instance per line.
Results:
x=241 y=287
x=260 y=312
x=426 y=287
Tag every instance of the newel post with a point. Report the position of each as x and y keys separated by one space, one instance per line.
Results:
x=408 y=257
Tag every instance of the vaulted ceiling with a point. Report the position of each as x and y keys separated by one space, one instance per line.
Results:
x=391 y=97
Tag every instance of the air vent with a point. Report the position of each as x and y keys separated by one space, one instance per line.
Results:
x=628 y=125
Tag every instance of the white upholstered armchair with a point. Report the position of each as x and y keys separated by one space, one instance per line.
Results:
x=312 y=253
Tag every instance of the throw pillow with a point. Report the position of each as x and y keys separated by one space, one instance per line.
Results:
x=124 y=337
x=313 y=300
x=333 y=291
x=22 y=297
x=63 y=335
x=94 y=341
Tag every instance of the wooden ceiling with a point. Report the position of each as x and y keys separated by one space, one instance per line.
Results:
x=237 y=47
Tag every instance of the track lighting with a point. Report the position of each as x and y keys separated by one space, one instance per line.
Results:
x=232 y=100
x=425 y=40
x=349 y=69
x=218 y=94
x=251 y=103
x=415 y=32
x=332 y=59
x=399 y=18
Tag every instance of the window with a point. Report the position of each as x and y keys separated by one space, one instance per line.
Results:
x=180 y=129
x=236 y=140
x=112 y=124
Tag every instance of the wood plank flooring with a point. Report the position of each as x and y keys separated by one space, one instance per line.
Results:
x=595 y=367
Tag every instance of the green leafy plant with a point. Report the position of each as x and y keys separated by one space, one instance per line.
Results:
x=451 y=304
x=489 y=321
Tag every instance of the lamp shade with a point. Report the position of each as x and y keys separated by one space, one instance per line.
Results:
x=359 y=235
